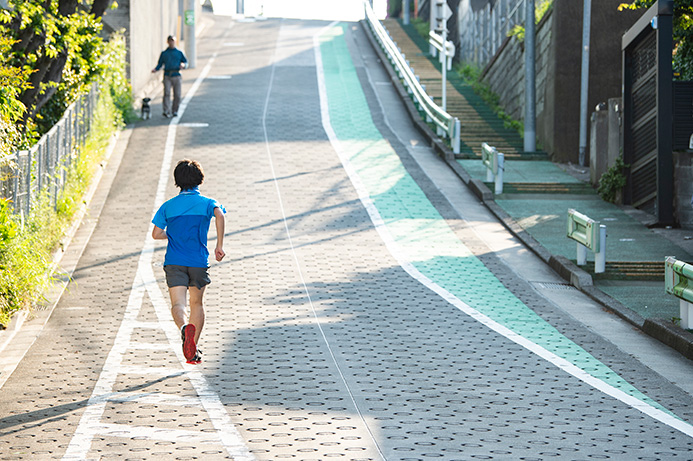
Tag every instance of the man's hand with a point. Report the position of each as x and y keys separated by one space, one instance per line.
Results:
x=219 y=253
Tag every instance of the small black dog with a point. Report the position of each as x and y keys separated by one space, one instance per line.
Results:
x=146 y=109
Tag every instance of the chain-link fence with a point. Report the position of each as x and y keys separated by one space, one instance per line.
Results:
x=44 y=167
x=482 y=31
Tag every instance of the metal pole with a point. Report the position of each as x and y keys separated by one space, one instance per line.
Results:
x=444 y=65
x=584 y=77
x=600 y=256
x=530 y=80
x=189 y=33
x=405 y=12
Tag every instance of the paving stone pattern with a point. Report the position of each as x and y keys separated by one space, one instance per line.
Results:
x=317 y=343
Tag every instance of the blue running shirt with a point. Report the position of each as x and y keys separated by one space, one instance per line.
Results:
x=186 y=218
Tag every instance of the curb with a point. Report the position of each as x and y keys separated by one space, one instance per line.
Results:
x=660 y=329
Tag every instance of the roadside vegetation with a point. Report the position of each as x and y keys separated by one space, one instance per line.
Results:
x=50 y=54
x=683 y=35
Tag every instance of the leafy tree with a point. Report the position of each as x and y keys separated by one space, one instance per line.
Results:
x=683 y=34
x=13 y=81
x=57 y=45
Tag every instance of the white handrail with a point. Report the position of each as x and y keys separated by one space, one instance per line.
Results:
x=446 y=123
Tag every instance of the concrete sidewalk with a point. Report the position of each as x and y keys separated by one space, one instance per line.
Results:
x=534 y=204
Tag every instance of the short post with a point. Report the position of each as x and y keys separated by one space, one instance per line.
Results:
x=495 y=164
x=678 y=276
x=456 y=137
x=600 y=256
x=581 y=254
x=589 y=235
x=499 y=163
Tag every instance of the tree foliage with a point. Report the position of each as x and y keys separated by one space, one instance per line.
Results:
x=53 y=49
x=683 y=34
x=13 y=80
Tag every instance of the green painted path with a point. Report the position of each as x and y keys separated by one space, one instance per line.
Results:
x=421 y=236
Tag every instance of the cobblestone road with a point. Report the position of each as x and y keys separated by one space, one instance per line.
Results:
x=355 y=317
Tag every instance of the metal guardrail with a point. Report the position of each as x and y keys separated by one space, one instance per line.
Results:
x=445 y=123
x=436 y=46
x=588 y=234
x=43 y=168
x=494 y=162
x=678 y=281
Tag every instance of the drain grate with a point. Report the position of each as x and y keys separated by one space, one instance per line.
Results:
x=553 y=286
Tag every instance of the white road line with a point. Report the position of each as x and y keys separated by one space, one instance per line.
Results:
x=156 y=398
x=398 y=254
x=90 y=422
x=153 y=433
x=293 y=249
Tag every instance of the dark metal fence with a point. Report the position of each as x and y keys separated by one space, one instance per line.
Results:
x=43 y=168
x=647 y=115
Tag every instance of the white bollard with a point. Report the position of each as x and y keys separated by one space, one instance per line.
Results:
x=499 y=174
x=581 y=254
x=686 y=313
x=600 y=257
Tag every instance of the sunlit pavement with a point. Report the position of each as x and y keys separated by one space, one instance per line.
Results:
x=357 y=315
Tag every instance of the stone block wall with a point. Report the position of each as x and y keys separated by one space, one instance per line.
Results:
x=558 y=66
x=510 y=62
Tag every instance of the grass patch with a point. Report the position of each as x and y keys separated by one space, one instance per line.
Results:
x=27 y=245
x=471 y=75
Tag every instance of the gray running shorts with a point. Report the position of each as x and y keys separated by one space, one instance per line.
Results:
x=177 y=276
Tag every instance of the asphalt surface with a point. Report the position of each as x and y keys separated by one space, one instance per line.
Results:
x=370 y=306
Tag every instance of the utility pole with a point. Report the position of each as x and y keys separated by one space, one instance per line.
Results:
x=584 y=77
x=530 y=80
x=189 y=33
x=405 y=12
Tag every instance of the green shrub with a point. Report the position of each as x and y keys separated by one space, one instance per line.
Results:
x=23 y=264
x=612 y=182
x=26 y=245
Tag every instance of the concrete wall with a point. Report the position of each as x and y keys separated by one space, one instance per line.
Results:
x=683 y=188
x=559 y=48
x=147 y=23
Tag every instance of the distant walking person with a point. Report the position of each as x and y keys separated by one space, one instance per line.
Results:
x=184 y=221
x=173 y=60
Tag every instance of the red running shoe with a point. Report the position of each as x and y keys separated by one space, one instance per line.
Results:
x=197 y=359
x=188 y=337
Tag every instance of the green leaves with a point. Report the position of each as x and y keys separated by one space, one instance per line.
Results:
x=58 y=48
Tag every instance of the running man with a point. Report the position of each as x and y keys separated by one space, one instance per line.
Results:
x=184 y=221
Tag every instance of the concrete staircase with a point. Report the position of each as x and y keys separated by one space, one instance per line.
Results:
x=479 y=123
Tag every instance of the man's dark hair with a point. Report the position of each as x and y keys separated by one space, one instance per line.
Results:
x=188 y=174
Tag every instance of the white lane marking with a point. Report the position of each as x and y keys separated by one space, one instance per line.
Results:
x=156 y=399
x=291 y=244
x=194 y=125
x=153 y=433
x=398 y=254
x=90 y=422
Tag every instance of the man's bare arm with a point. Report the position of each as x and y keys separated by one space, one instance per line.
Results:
x=159 y=234
x=220 y=222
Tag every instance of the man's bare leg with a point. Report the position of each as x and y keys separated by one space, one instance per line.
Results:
x=197 y=312
x=178 y=295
